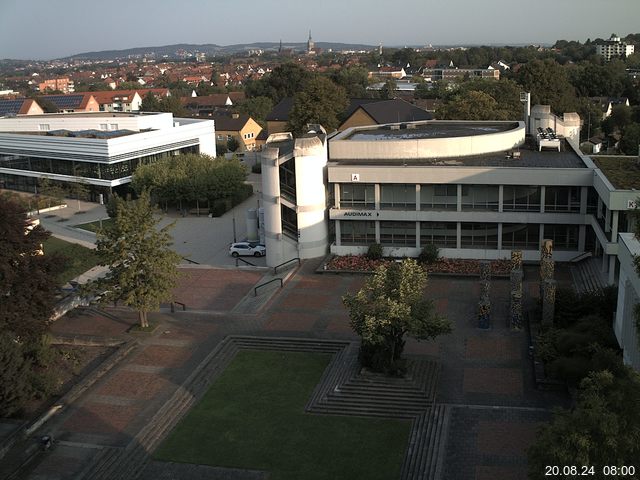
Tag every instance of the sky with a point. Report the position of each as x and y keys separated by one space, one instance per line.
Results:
x=45 y=29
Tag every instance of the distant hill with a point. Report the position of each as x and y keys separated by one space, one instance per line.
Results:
x=171 y=51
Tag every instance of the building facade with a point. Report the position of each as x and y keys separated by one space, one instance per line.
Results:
x=614 y=48
x=101 y=150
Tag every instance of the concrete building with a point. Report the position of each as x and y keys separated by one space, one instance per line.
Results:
x=239 y=126
x=474 y=189
x=64 y=85
x=614 y=48
x=625 y=325
x=99 y=149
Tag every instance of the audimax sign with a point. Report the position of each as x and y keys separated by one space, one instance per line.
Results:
x=362 y=214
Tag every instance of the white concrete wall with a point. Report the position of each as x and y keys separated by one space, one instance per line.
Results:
x=86 y=121
x=342 y=147
x=310 y=155
x=628 y=297
x=274 y=242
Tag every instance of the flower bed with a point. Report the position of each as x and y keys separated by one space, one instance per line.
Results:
x=456 y=266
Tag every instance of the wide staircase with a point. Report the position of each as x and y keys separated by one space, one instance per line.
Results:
x=345 y=389
x=587 y=275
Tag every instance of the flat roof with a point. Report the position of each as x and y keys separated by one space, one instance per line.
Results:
x=530 y=157
x=433 y=129
x=622 y=171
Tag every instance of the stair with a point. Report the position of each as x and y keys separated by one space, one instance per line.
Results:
x=587 y=276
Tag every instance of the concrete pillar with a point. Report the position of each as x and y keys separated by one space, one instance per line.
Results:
x=612 y=269
x=459 y=199
x=336 y=194
x=599 y=211
x=582 y=237
x=338 y=233
x=376 y=195
x=584 y=192
x=377 y=231
x=417 y=234
x=614 y=226
x=271 y=205
x=541 y=236
x=607 y=221
x=418 y=187
x=458 y=234
x=500 y=235
x=543 y=192
x=500 y=199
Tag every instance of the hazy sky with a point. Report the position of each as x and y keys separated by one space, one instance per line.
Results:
x=45 y=29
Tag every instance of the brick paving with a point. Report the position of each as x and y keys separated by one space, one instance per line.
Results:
x=479 y=368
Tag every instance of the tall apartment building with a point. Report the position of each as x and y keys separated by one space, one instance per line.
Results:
x=614 y=48
x=65 y=85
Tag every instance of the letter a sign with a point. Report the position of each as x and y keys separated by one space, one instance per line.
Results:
x=355 y=177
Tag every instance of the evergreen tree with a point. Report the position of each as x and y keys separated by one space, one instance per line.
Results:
x=142 y=266
x=27 y=278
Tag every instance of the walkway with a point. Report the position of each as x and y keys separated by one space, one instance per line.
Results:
x=485 y=388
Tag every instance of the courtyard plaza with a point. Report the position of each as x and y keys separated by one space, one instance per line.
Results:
x=486 y=383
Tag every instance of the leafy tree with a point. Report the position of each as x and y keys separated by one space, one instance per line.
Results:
x=284 y=81
x=16 y=388
x=618 y=120
x=472 y=105
x=47 y=105
x=233 y=144
x=630 y=139
x=142 y=266
x=603 y=428
x=549 y=84
x=389 y=89
x=321 y=101
x=389 y=306
x=354 y=80
x=27 y=279
x=257 y=108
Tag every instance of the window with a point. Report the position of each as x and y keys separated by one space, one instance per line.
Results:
x=44 y=127
x=357 y=233
x=519 y=198
x=357 y=195
x=289 y=222
x=565 y=237
x=439 y=197
x=479 y=235
x=113 y=126
x=398 y=196
x=398 y=234
x=288 y=179
x=562 y=199
x=103 y=126
x=480 y=197
x=521 y=236
x=442 y=235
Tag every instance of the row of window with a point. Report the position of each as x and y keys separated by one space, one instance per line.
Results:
x=472 y=235
x=515 y=198
x=75 y=168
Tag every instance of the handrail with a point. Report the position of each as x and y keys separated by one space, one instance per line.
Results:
x=580 y=257
x=275 y=269
x=243 y=260
x=173 y=309
x=255 y=290
x=190 y=261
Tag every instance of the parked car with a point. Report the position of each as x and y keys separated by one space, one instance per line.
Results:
x=247 y=249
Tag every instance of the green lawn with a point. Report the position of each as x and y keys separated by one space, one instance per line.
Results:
x=95 y=226
x=253 y=417
x=78 y=259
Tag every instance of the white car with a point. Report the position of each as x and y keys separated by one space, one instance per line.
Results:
x=247 y=249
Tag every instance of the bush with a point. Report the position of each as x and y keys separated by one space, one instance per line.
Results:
x=374 y=252
x=220 y=206
x=429 y=254
x=244 y=192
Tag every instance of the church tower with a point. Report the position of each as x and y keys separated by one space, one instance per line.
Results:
x=310 y=44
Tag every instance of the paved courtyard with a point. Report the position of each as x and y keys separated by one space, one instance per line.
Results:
x=486 y=376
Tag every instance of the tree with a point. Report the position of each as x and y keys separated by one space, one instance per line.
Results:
x=389 y=306
x=321 y=101
x=257 y=108
x=549 y=84
x=389 y=89
x=354 y=80
x=630 y=139
x=284 y=81
x=15 y=386
x=142 y=266
x=474 y=105
x=233 y=144
x=602 y=429
x=27 y=278
x=150 y=103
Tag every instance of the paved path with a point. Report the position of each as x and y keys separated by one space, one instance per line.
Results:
x=486 y=381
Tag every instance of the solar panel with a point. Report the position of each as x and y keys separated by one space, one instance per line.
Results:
x=8 y=107
x=65 y=102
